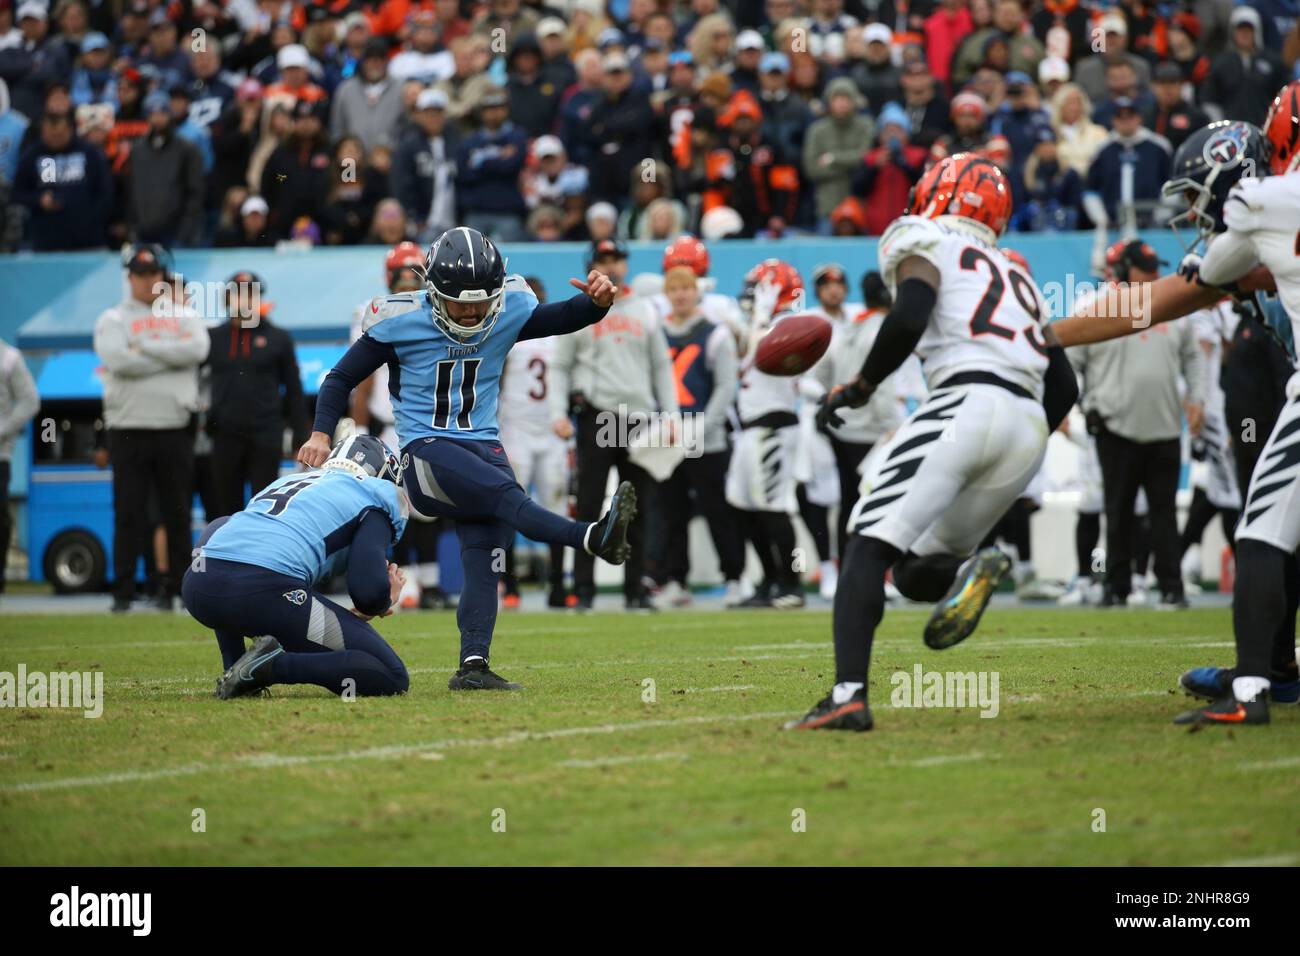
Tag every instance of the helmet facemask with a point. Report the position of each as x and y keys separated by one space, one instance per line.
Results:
x=1196 y=218
x=457 y=330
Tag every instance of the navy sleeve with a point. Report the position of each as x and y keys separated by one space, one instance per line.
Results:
x=562 y=318
x=357 y=364
x=368 y=564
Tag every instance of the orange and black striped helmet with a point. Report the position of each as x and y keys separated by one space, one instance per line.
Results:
x=964 y=185
x=1282 y=130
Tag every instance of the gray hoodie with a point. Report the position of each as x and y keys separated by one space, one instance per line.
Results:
x=151 y=362
x=18 y=398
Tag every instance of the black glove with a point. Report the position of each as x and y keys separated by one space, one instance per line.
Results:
x=853 y=395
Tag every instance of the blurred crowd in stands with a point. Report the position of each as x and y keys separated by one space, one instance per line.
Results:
x=255 y=122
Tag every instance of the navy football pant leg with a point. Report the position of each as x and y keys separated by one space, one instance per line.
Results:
x=534 y=522
x=482 y=555
x=325 y=644
x=354 y=657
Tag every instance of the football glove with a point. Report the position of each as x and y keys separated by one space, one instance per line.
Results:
x=854 y=394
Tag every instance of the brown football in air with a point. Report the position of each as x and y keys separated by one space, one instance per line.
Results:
x=793 y=345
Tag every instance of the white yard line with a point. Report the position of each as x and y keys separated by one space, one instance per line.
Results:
x=372 y=753
x=1281 y=763
x=620 y=761
x=1286 y=859
x=719 y=690
x=942 y=760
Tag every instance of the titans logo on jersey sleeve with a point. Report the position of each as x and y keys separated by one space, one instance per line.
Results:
x=441 y=387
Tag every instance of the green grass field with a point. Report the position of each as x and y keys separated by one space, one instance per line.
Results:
x=582 y=770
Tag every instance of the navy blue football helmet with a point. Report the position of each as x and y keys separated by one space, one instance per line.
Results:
x=1206 y=167
x=465 y=266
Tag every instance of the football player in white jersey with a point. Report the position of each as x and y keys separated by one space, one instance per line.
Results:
x=539 y=457
x=371 y=408
x=1258 y=225
x=998 y=386
x=760 y=477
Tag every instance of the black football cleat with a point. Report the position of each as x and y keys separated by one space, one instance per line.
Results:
x=436 y=599
x=853 y=714
x=1227 y=711
x=955 y=617
x=250 y=673
x=607 y=538
x=475 y=674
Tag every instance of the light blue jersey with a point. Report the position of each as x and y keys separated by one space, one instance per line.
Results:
x=302 y=525
x=439 y=386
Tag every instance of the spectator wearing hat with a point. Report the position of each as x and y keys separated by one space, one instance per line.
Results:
x=650 y=68
x=423 y=58
x=165 y=186
x=151 y=350
x=1129 y=171
x=93 y=80
x=744 y=71
x=64 y=183
x=608 y=375
x=256 y=395
x=885 y=176
x=1135 y=408
x=1052 y=72
x=534 y=98
x=297 y=173
x=469 y=81
x=849 y=218
x=926 y=108
x=131 y=33
x=601 y=221
x=251 y=231
x=510 y=16
x=557 y=67
x=834 y=147
x=1022 y=120
x=969 y=134
x=344 y=58
x=1184 y=31
x=619 y=132
x=875 y=75
x=1172 y=116
x=748 y=174
x=294 y=68
x=944 y=30
x=424 y=168
x=368 y=105
x=163 y=53
x=35 y=61
x=488 y=165
x=785 y=117
x=1052 y=190
x=1078 y=138
x=1244 y=78
x=1064 y=27
x=1090 y=72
